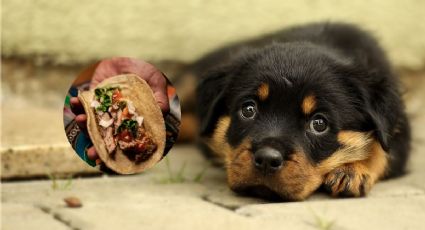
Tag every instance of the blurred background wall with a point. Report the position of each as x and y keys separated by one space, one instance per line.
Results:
x=78 y=31
x=46 y=43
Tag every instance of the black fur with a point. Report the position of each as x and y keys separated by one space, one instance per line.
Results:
x=341 y=65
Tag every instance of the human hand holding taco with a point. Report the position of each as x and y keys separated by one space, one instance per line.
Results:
x=124 y=123
x=116 y=66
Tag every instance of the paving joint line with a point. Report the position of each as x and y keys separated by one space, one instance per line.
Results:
x=56 y=216
x=231 y=208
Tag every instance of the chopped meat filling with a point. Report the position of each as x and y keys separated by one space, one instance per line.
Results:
x=121 y=126
x=141 y=148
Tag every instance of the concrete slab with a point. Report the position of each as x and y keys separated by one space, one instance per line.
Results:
x=363 y=213
x=126 y=202
x=22 y=217
x=42 y=161
x=140 y=201
x=176 y=212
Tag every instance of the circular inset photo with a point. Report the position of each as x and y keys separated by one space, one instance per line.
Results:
x=122 y=115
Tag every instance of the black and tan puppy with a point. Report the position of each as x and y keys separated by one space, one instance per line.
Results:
x=308 y=106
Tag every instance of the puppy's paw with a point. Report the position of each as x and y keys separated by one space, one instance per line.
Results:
x=350 y=180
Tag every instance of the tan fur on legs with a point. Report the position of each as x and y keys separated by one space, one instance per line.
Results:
x=357 y=178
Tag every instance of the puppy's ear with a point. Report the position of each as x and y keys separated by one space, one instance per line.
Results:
x=379 y=101
x=385 y=110
x=381 y=127
x=211 y=94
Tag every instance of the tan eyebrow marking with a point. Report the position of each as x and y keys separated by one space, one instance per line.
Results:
x=263 y=91
x=308 y=104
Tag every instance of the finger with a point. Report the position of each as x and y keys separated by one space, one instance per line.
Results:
x=81 y=121
x=158 y=85
x=92 y=154
x=76 y=106
x=162 y=100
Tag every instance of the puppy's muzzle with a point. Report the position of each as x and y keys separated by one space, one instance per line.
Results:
x=268 y=160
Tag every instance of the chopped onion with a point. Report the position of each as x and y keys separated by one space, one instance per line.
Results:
x=139 y=120
x=106 y=123
x=95 y=104
x=131 y=108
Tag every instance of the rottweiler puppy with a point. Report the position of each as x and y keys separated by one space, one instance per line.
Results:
x=309 y=106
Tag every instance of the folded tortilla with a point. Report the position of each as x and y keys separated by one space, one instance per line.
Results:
x=138 y=91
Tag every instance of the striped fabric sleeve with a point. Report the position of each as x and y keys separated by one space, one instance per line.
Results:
x=79 y=141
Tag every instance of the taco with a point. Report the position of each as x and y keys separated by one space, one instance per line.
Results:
x=125 y=123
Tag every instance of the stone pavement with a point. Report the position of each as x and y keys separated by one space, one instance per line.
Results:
x=185 y=192
x=193 y=195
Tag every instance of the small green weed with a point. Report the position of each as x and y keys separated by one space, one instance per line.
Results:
x=179 y=177
x=322 y=223
x=60 y=186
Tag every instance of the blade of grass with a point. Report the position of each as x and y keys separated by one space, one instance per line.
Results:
x=321 y=222
x=53 y=179
x=198 y=177
x=179 y=176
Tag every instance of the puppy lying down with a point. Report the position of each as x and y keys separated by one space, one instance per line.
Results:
x=307 y=107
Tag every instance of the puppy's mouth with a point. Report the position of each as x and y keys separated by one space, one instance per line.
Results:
x=261 y=191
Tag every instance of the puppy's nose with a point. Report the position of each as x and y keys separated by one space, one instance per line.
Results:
x=268 y=160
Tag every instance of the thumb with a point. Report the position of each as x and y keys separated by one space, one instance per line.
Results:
x=162 y=101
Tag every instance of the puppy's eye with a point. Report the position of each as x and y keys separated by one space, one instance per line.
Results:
x=318 y=124
x=248 y=110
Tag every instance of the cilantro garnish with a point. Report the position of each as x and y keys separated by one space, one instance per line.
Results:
x=130 y=125
x=104 y=96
